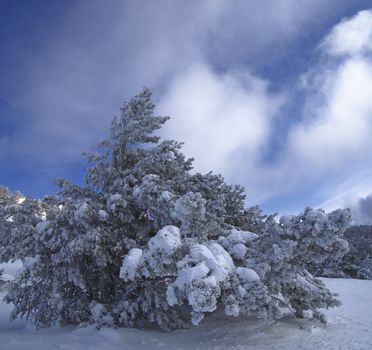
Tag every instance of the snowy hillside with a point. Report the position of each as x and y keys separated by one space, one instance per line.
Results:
x=349 y=327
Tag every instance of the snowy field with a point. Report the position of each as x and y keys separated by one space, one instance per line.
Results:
x=349 y=327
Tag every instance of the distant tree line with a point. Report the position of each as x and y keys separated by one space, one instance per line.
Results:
x=356 y=263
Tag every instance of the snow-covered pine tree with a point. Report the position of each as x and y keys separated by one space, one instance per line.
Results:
x=146 y=240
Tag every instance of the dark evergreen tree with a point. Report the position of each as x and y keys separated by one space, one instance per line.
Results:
x=357 y=263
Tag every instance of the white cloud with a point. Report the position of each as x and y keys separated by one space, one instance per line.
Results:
x=339 y=131
x=333 y=142
x=330 y=146
x=198 y=56
x=219 y=117
x=104 y=53
x=350 y=37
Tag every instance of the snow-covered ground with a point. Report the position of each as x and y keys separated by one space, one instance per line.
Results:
x=349 y=327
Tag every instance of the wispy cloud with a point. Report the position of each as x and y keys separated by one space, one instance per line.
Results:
x=330 y=145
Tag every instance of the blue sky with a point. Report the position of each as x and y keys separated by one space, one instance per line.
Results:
x=274 y=95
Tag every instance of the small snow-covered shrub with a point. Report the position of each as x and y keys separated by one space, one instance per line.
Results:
x=146 y=240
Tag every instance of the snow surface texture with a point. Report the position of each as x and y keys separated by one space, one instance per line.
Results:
x=349 y=327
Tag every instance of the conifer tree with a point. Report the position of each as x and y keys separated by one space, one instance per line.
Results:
x=147 y=240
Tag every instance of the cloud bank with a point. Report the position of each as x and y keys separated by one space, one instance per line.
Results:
x=338 y=141
x=100 y=55
x=227 y=120
x=362 y=211
x=209 y=65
